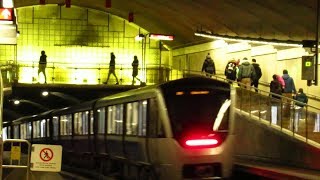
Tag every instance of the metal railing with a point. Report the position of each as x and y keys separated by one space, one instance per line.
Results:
x=92 y=73
x=287 y=115
x=15 y=155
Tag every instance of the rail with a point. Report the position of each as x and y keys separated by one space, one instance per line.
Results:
x=17 y=156
x=281 y=113
x=278 y=112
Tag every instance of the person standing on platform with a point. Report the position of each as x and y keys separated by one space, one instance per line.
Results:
x=255 y=81
x=135 y=65
x=287 y=92
x=43 y=65
x=112 y=68
x=208 y=66
x=302 y=99
x=246 y=73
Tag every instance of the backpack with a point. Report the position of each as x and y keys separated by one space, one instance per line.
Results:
x=231 y=71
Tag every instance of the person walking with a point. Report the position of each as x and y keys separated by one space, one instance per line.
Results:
x=208 y=66
x=42 y=66
x=255 y=81
x=231 y=70
x=246 y=73
x=112 y=68
x=289 y=88
x=135 y=65
x=276 y=90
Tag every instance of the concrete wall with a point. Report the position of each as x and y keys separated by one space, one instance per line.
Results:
x=258 y=142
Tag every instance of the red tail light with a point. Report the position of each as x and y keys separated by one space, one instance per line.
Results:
x=201 y=142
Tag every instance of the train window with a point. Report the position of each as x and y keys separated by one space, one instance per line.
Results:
x=9 y=132
x=143 y=105
x=66 y=124
x=36 y=129
x=136 y=118
x=190 y=112
x=4 y=133
x=132 y=118
x=155 y=124
x=16 y=132
x=101 y=120
x=85 y=122
x=115 y=119
x=43 y=128
x=23 y=131
x=29 y=129
x=48 y=127
x=81 y=122
x=77 y=123
x=91 y=121
x=55 y=123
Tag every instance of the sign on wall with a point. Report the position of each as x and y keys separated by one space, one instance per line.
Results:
x=46 y=158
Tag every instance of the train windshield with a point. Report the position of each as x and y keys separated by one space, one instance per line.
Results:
x=198 y=110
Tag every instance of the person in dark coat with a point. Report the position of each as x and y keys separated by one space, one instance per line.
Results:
x=112 y=68
x=135 y=65
x=43 y=65
x=255 y=81
x=288 y=91
x=208 y=66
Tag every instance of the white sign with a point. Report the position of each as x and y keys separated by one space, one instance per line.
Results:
x=46 y=158
x=8 y=34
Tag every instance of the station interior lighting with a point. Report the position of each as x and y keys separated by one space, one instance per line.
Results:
x=161 y=37
x=250 y=40
x=7 y=3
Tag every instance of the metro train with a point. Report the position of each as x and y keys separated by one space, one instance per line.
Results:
x=181 y=129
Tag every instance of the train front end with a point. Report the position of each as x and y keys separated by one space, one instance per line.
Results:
x=200 y=142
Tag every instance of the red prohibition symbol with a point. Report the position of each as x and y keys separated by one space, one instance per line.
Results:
x=46 y=154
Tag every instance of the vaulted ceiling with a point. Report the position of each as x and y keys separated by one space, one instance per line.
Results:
x=268 y=19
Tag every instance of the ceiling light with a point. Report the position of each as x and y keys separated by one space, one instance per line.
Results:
x=250 y=40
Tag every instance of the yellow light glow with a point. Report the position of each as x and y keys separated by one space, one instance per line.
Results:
x=179 y=93
x=199 y=92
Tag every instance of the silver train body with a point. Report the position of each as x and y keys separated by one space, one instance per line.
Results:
x=181 y=129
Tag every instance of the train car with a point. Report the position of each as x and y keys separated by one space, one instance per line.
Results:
x=181 y=129
x=34 y=128
x=72 y=127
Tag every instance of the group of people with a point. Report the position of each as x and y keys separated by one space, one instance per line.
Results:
x=284 y=85
x=248 y=74
x=112 y=67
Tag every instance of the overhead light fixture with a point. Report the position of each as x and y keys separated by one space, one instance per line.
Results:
x=16 y=102
x=250 y=40
x=161 y=37
x=7 y=3
x=45 y=93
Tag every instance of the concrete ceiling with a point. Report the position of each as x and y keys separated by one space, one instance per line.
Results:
x=268 y=19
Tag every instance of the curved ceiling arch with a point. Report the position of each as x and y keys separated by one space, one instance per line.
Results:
x=268 y=19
